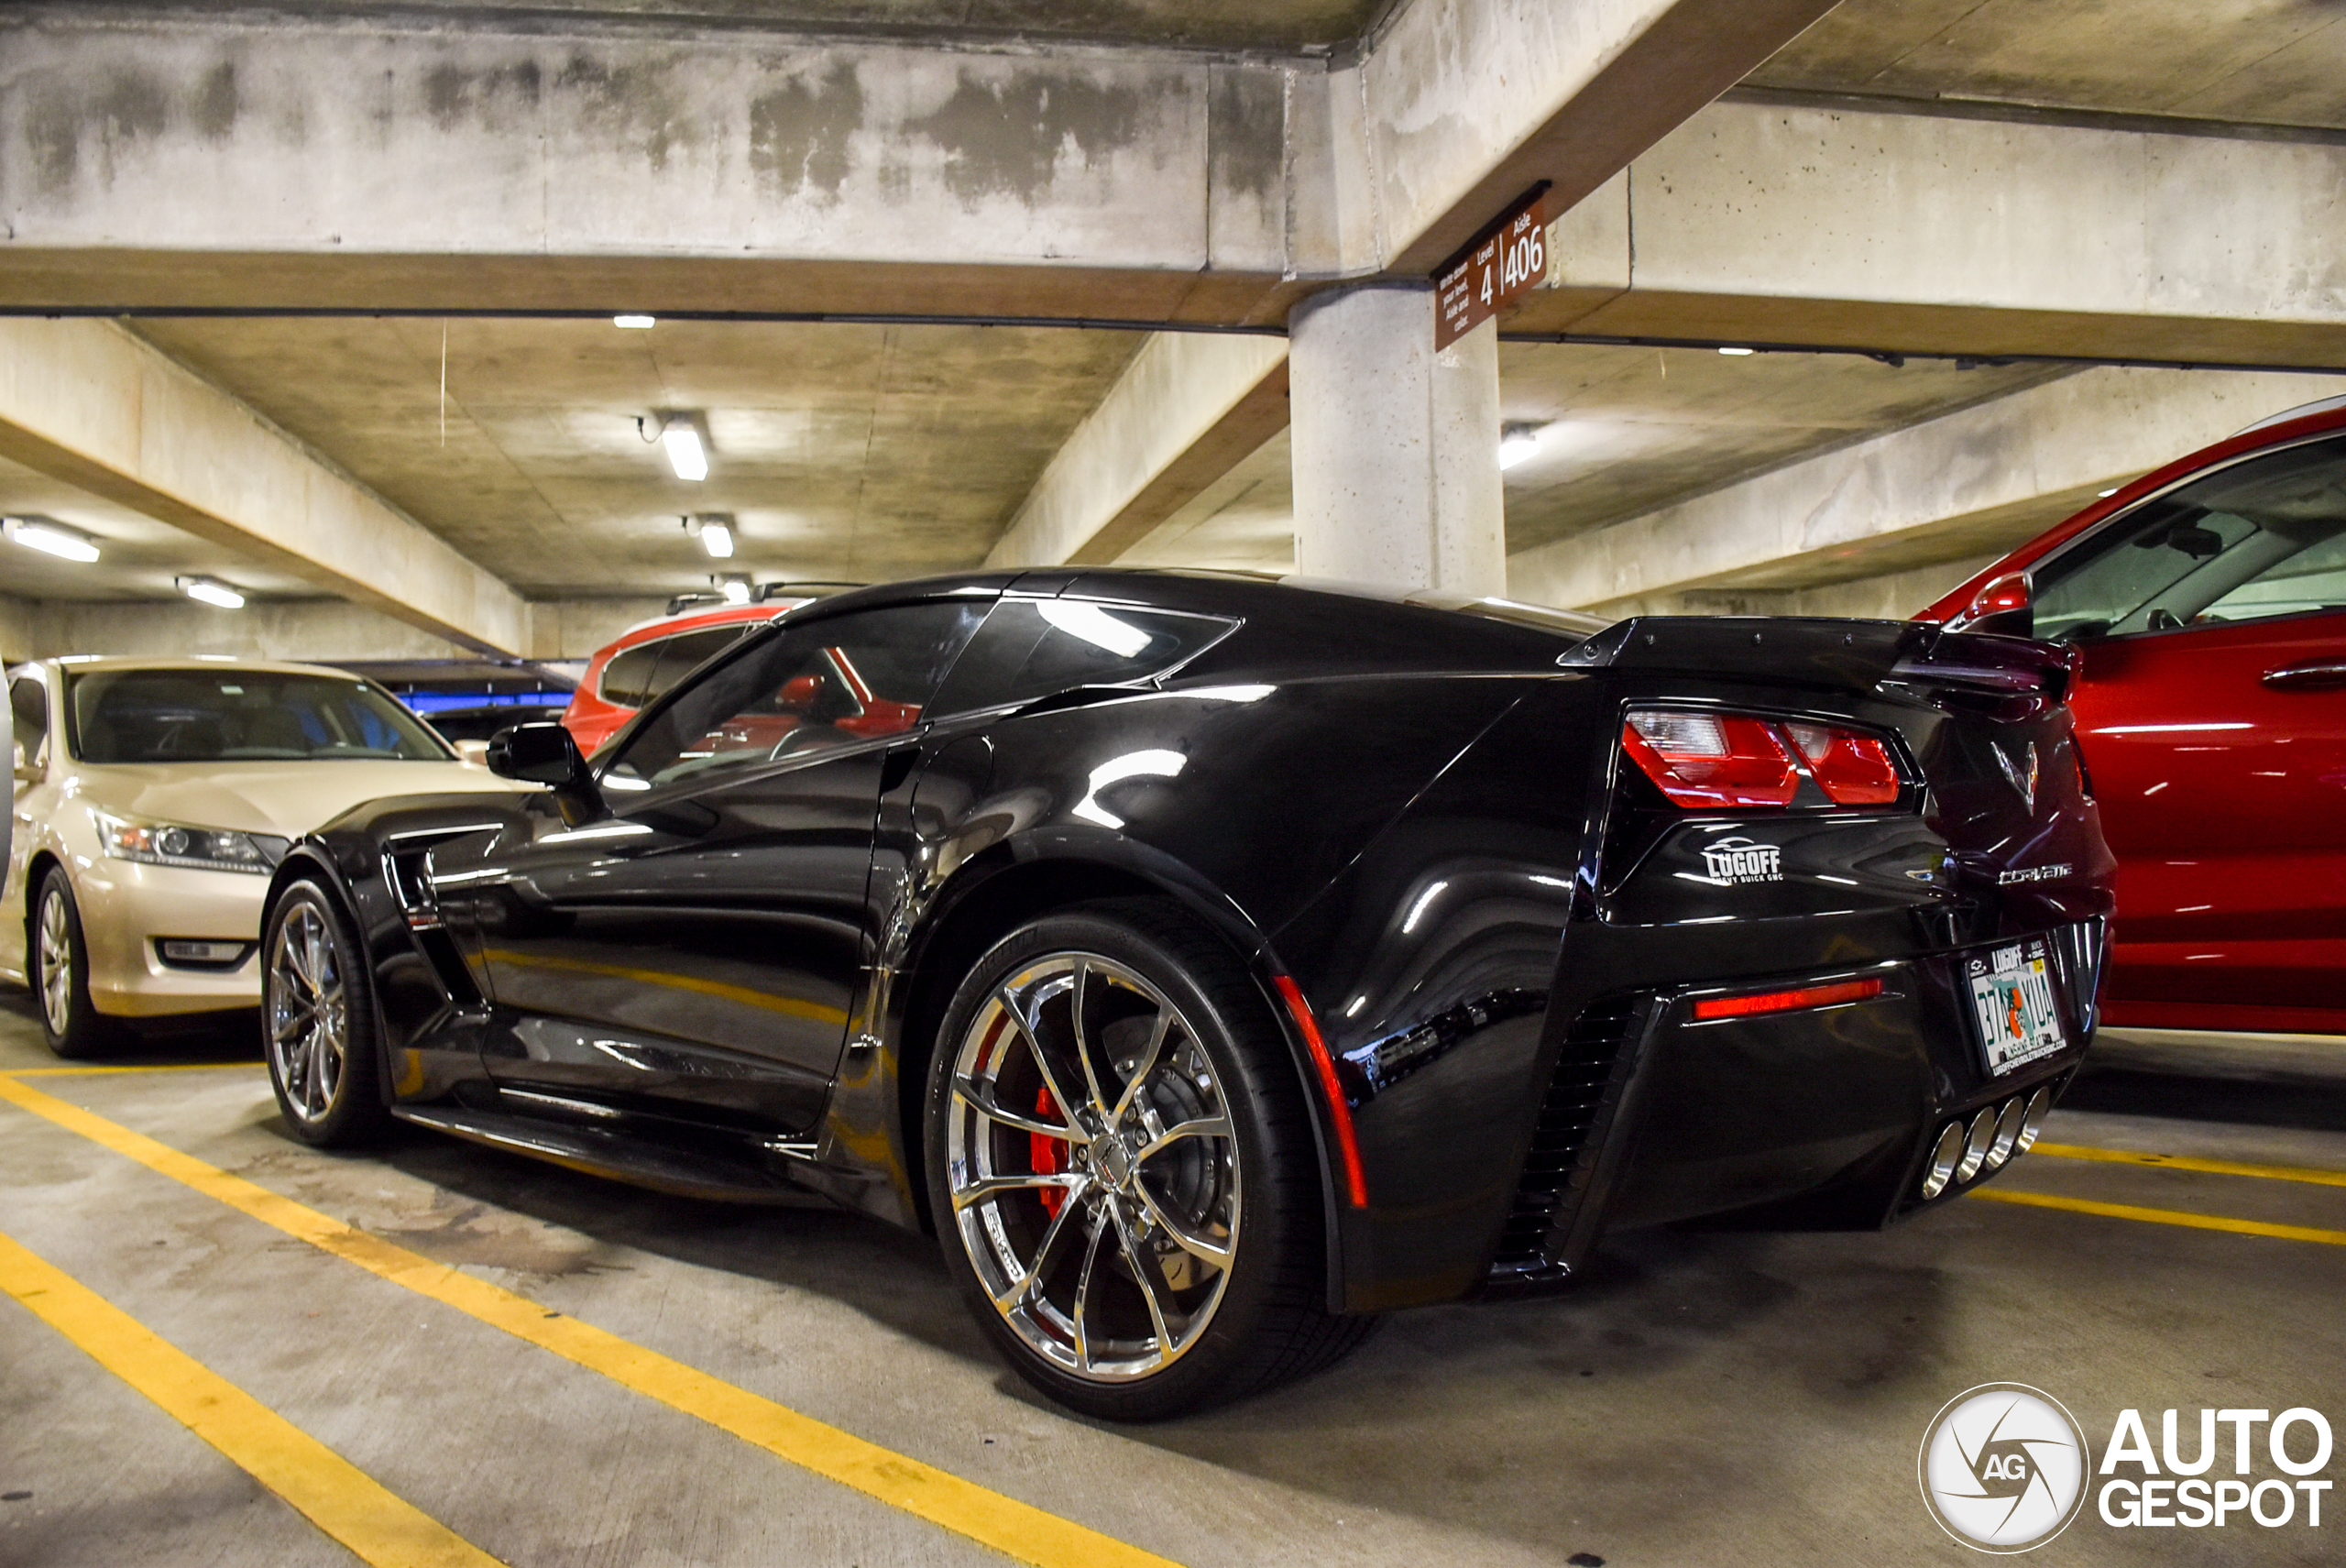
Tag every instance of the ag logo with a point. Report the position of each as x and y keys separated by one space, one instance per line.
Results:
x=2003 y=1468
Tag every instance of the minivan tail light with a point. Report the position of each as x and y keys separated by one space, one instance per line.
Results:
x=1851 y=768
x=1714 y=761
x=1711 y=760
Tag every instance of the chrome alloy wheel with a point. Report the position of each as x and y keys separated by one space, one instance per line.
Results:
x=308 y=1012
x=1093 y=1167
x=53 y=960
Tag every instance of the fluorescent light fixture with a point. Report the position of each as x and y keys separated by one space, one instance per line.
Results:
x=686 y=454
x=207 y=591
x=1095 y=626
x=735 y=589
x=716 y=537
x=1737 y=353
x=50 y=540
x=638 y=323
x=1518 y=443
x=2105 y=495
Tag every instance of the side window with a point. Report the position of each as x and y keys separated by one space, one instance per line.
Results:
x=2263 y=538
x=811 y=688
x=1030 y=648
x=627 y=679
x=29 y=706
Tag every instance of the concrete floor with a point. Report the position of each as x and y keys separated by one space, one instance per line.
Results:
x=1703 y=1399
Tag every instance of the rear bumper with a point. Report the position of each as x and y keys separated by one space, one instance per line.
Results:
x=1821 y=1119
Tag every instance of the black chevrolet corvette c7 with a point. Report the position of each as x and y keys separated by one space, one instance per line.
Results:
x=1214 y=964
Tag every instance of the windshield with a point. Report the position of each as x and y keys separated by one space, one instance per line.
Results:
x=235 y=716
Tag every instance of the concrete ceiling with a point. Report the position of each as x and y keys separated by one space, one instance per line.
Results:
x=2252 y=61
x=855 y=452
x=1294 y=25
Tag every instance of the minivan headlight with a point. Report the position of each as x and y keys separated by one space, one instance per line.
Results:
x=199 y=849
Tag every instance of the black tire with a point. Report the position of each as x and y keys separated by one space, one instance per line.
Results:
x=58 y=965
x=1239 y=1177
x=317 y=1021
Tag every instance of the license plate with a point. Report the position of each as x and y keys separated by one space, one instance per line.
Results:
x=2012 y=996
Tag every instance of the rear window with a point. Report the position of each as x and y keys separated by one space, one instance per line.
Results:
x=634 y=677
x=239 y=716
x=1030 y=648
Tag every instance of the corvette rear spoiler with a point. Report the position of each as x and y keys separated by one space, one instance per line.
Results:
x=1950 y=668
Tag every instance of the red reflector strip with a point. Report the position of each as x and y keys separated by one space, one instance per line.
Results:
x=1787 y=1001
x=1355 y=1183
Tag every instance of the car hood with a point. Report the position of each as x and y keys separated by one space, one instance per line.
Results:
x=290 y=799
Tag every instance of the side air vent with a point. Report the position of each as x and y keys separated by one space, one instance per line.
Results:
x=1569 y=1113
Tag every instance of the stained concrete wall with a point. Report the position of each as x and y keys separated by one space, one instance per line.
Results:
x=396 y=161
x=1893 y=595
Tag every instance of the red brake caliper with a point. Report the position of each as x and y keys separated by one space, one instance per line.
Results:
x=1044 y=1153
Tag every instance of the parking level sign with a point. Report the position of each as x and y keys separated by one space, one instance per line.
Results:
x=1511 y=257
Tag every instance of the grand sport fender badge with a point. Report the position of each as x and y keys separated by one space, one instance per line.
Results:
x=2022 y=770
x=1732 y=860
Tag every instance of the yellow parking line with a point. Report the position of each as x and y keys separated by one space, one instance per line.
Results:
x=93 y=1070
x=2163 y=1216
x=341 y=1499
x=2186 y=1162
x=1017 y=1529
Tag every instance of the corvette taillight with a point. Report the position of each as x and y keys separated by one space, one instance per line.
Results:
x=1711 y=761
x=1854 y=769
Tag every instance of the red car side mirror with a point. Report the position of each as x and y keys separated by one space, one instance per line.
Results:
x=800 y=691
x=2002 y=608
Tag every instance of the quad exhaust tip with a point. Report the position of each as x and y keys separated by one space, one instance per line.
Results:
x=1993 y=1136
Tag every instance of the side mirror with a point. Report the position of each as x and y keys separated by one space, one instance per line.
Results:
x=2002 y=608
x=540 y=753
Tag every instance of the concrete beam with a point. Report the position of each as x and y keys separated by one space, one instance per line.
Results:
x=88 y=403
x=220 y=161
x=1187 y=408
x=1465 y=105
x=1972 y=483
x=381 y=163
x=315 y=630
x=1784 y=221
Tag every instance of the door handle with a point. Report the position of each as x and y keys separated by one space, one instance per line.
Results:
x=2317 y=677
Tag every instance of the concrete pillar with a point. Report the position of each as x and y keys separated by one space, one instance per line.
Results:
x=1396 y=467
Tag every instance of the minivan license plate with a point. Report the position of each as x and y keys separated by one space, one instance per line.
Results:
x=2012 y=996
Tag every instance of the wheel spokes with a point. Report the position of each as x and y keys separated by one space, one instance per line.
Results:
x=1151 y=1279
x=980 y=1098
x=1144 y=1063
x=1197 y=1127
x=985 y=1187
x=1029 y=1032
x=1079 y=1318
x=1014 y=1298
x=1204 y=1249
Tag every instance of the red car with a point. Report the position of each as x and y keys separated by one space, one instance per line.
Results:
x=653 y=655
x=2207 y=602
